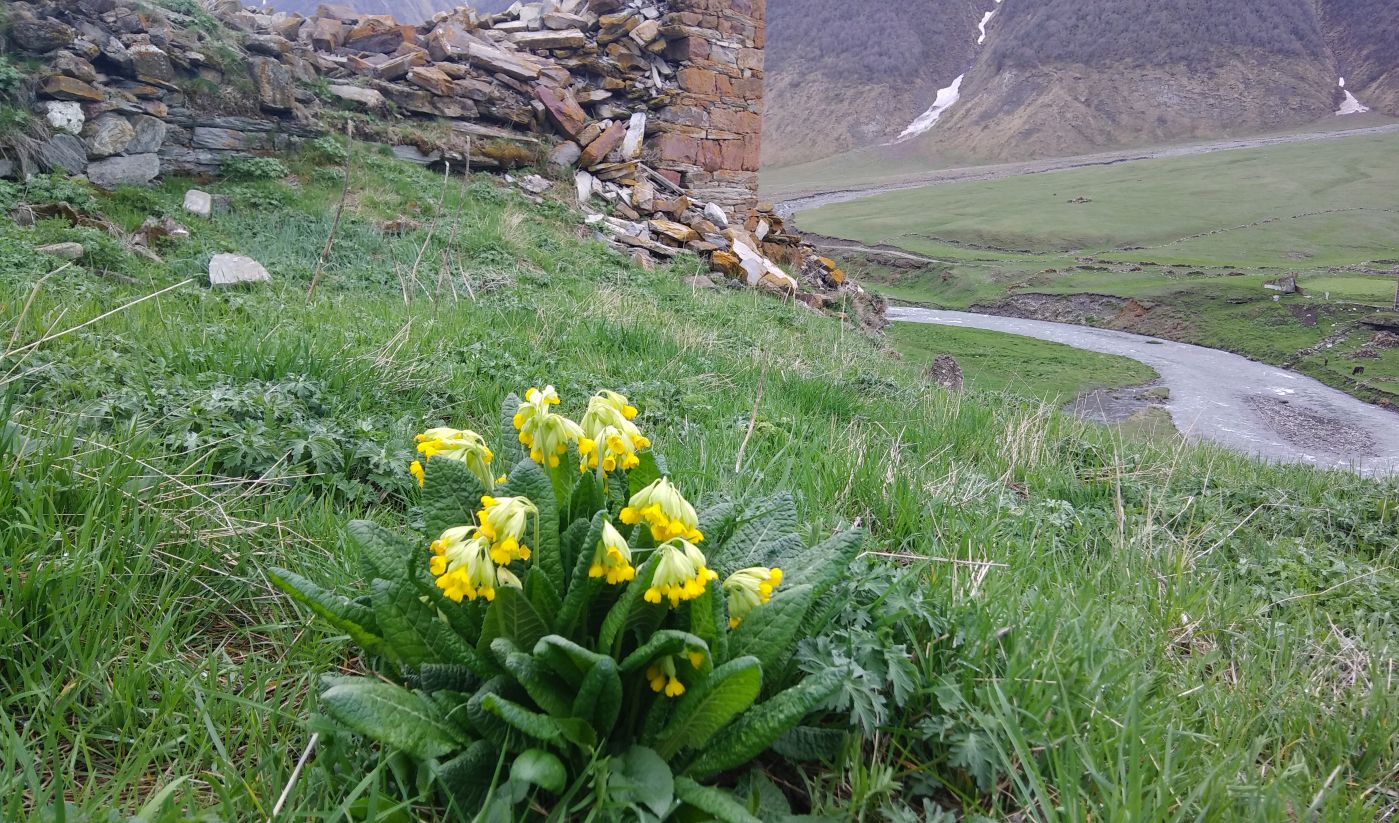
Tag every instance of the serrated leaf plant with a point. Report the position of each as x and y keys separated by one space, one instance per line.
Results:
x=572 y=638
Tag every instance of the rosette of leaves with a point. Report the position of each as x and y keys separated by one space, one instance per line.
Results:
x=537 y=704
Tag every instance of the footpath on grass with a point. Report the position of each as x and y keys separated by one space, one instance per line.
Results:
x=1227 y=399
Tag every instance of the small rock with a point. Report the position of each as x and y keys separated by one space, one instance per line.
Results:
x=534 y=184
x=63 y=151
x=199 y=203
x=156 y=229
x=149 y=134
x=67 y=251
x=64 y=115
x=59 y=87
x=946 y=372
x=126 y=170
x=636 y=133
x=565 y=155
x=230 y=269
x=369 y=98
x=716 y=215
x=643 y=260
x=699 y=281
x=400 y=226
x=41 y=35
x=274 y=84
x=151 y=65
x=109 y=134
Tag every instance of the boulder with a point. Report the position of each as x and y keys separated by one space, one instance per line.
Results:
x=565 y=154
x=563 y=110
x=125 y=170
x=448 y=41
x=431 y=79
x=376 y=34
x=63 y=151
x=149 y=134
x=66 y=251
x=61 y=87
x=716 y=215
x=546 y=40
x=369 y=98
x=327 y=34
x=64 y=115
x=109 y=134
x=636 y=136
x=598 y=150
x=231 y=269
x=151 y=65
x=947 y=373
x=41 y=35
x=274 y=84
x=199 y=203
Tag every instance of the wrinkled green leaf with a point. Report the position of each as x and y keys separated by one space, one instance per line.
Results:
x=710 y=705
x=528 y=479
x=451 y=496
x=391 y=715
x=511 y=616
x=662 y=643
x=541 y=727
x=352 y=618
x=631 y=600
x=715 y=802
x=769 y=632
x=599 y=698
x=756 y=730
x=509 y=449
x=385 y=554
x=566 y=658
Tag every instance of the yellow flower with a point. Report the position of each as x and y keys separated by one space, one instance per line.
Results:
x=681 y=573
x=662 y=677
x=502 y=521
x=608 y=408
x=612 y=558
x=749 y=588
x=462 y=445
x=543 y=432
x=463 y=567
x=667 y=513
x=416 y=469
x=617 y=451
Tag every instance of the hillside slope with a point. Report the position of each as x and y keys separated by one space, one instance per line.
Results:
x=838 y=80
x=1364 y=36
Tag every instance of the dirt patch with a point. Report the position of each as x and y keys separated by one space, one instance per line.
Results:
x=1306 y=315
x=1116 y=405
x=1308 y=430
x=1097 y=310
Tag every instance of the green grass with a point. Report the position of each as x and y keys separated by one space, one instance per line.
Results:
x=996 y=362
x=1196 y=238
x=1165 y=633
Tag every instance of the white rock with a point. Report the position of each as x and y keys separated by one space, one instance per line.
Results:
x=66 y=251
x=534 y=184
x=230 y=269
x=636 y=134
x=584 y=183
x=716 y=215
x=199 y=203
x=368 y=98
x=65 y=116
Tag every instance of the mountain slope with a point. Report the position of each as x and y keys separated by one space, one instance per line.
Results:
x=1364 y=36
x=839 y=79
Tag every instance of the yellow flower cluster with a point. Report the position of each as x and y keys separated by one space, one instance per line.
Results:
x=502 y=521
x=663 y=677
x=463 y=566
x=668 y=514
x=612 y=558
x=681 y=574
x=462 y=445
x=543 y=432
x=611 y=440
x=748 y=589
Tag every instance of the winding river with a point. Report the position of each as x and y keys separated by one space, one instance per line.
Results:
x=1223 y=398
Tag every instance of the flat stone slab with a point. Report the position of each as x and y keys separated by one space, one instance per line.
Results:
x=231 y=269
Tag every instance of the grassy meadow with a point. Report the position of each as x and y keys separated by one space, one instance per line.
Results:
x=1195 y=238
x=1052 y=622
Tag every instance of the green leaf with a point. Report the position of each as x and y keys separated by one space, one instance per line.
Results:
x=385 y=554
x=391 y=715
x=511 y=616
x=717 y=521
x=651 y=469
x=756 y=730
x=352 y=618
x=571 y=547
x=435 y=677
x=509 y=450
x=541 y=593
x=581 y=587
x=823 y=565
x=467 y=778
x=541 y=727
x=641 y=777
x=631 y=599
x=763 y=521
x=398 y=627
x=451 y=496
x=485 y=723
x=710 y=705
x=566 y=658
x=540 y=684
x=539 y=768
x=769 y=631
x=715 y=802
x=808 y=743
x=529 y=480
x=662 y=643
x=587 y=499
x=709 y=622
x=599 y=697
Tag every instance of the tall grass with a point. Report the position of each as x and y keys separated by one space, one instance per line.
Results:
x=1114 y=630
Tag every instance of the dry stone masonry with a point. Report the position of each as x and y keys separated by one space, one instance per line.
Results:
x=653 y=106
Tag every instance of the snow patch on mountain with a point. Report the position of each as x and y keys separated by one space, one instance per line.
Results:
x=981 y=27
x=945 y=100
x=1350 y=105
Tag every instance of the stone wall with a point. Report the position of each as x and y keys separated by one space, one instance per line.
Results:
x=711 y=130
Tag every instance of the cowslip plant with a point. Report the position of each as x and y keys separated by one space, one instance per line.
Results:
x=573 y=637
